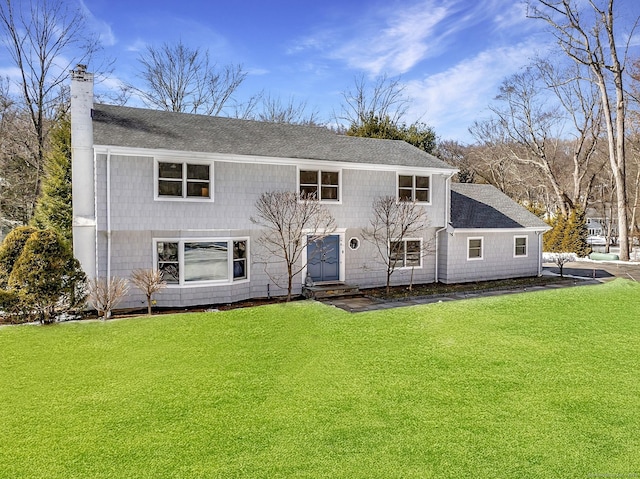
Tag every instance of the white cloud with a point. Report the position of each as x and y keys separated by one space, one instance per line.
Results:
x=137 y=46
x=102 y=28
x=408 y=38
x=451 y=100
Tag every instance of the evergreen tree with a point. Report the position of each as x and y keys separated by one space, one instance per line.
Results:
x=567 y=235
x=10 y=251
x=552 y=239
x=46 y=276
x=53 y=210
x=418 y=134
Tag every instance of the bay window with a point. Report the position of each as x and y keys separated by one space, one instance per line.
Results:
x=199 y=261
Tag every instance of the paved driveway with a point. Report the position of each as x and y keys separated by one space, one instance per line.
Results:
x=598 y=269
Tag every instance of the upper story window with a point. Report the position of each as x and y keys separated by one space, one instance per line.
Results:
x=324 y=185
x=520 y=246
x=414 y=188
x=184 y=180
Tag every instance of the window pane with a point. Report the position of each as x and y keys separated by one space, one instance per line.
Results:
x=239 y=249
x=167 y=251
x=170 y=188
x=405 y=181
x=170 y=170
x=405 y=195
x=170 y=272
x=239 y=259
x=205 y=261
x=308 y=191
x=475 y=248
x=422 y=195
x=239 y=268
x=521 y=246
x=422 y=182
x=200 y=189
x=396 y=252
x=308 y=177
x=330 y=178
x=168 y=262
x=198 y=172
x=329 y=192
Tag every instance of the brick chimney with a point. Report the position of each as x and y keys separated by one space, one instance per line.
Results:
x=82 y=168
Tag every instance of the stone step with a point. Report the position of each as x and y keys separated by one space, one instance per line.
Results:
x=333 y=290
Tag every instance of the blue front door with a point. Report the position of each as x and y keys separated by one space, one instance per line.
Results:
x=323 y=259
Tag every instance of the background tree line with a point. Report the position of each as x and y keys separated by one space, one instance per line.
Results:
x=562 y=136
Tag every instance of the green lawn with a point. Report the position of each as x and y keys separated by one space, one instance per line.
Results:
x=535 y=385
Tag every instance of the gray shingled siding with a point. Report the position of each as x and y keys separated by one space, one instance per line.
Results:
x=137 y=218
x=498 y=261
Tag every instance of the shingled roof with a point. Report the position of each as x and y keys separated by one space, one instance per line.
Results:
x=486 y=207
x=142 y=128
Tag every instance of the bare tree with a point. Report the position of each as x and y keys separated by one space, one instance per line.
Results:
x=384 y=99
x=559 y=259
x=149 y=281
x=588 y=38
x=44 y=39
x=105 y=294
x=275 y=110
x=394 y=230
x=183 y=79
x=290 y=222
x=457 y=154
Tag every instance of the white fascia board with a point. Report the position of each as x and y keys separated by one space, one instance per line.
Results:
x=268 y=160
x=452 y=230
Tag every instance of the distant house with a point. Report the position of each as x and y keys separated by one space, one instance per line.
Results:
x=174 y=192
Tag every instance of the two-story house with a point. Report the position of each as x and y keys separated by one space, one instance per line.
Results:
x=175 y=192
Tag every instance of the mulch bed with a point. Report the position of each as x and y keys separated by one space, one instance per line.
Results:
x=395 y=293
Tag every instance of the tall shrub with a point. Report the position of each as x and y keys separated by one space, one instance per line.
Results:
x=46 y=277
x=10 y=251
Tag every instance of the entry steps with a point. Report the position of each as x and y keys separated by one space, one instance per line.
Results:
x=330 y=290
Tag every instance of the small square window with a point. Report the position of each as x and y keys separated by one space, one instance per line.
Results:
x=520 y=246
x=474 y=250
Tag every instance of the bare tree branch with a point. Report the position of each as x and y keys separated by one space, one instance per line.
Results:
x=181 y=79
x=290 y=222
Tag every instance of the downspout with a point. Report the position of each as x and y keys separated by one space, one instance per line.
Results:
x=539 y=233
x=108 y=216
x=95 y=214
x=447 y=212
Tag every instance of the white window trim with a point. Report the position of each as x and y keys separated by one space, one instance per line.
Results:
x=197 y=199
x=405 y=252
x=469 y=239
x=526 y=246
x=413 y=187
x=195 y=284
x=320 y=170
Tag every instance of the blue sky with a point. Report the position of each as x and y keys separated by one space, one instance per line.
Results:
x=450 y=54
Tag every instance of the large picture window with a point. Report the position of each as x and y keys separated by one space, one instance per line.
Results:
x=323 y=185
x=406 y=253
x=475 y=248
x=414 y=188
x=184 y=180
x=202 y=261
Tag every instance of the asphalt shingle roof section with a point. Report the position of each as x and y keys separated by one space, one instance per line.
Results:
x=486 y=207
x=142 y=128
